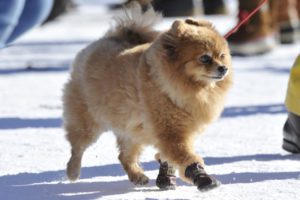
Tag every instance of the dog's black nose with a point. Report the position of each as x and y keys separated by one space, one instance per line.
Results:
x=222 y=70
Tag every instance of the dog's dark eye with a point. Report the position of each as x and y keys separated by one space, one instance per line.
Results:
x=205 y=59
x=222 y=56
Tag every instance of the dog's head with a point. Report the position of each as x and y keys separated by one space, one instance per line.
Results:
x=195 y=50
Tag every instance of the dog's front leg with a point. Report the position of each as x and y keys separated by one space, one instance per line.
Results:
x=180 y=152
x=166 y=178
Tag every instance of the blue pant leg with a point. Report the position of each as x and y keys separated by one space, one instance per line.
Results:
x=35 y=12
x=10 y=11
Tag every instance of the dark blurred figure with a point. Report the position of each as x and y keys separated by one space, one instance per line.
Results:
x=169 y=8
x=175 y=7
x=172 y=8
x=213 y=7
x=59 y=8
x=127 y=2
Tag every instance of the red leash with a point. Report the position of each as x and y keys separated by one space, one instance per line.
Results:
x=243 y=21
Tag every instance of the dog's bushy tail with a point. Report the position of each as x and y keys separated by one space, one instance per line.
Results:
x=135 y=24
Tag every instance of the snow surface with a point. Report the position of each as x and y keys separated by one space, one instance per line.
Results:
x=242 y=149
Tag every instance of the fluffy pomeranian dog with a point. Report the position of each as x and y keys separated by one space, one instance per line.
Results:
x=149 y=88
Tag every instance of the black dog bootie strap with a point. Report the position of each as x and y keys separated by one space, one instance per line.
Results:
x=201 y=179
x=166 y=178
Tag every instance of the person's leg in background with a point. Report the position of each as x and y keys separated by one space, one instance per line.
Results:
x=34 y=13
x=257 y=35
x=213 y=7
x=59 y=8
x=175 y=8
x=291 y=129
x=298 y=10
x=288 y=21
x=10 y=11
x=298 y=7
x=169 y=8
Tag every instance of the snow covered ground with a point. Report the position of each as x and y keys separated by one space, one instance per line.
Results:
x=242 y=149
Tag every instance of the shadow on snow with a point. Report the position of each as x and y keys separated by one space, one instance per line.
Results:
x=18 y=123
x=62 y=68
x=49 y=185
x=238 y=111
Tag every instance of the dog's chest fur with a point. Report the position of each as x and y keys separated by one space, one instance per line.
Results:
x=177 y=112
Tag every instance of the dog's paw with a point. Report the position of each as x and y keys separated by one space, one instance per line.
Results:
x=73 y=169
x=166 y=182
x=201 y=179
x=139 y=179
x=166 y=179
x=206 y=183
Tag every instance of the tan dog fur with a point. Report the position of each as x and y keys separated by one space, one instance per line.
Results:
x=150 y=90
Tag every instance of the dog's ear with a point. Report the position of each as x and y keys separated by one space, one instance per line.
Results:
x=191 y=21
x=171 y=38
x=178 y=28
x=170 y=46
x=199 y=23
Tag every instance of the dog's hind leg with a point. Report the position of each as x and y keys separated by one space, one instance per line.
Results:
x=79 y=139
x=82 y=130
x=129 y=154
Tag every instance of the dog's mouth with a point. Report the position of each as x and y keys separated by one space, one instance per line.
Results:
x=217 y=78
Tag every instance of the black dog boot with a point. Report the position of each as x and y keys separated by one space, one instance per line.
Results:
x=291 y=134
x=201 y=179
x=166 y=179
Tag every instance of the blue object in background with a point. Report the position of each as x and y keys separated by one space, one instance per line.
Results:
x=19 y=16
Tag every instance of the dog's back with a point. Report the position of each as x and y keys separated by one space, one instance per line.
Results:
x=133 y=27
x=104 y=74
